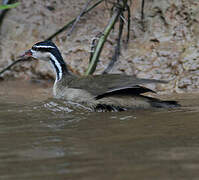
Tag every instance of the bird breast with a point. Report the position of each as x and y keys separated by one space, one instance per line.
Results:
x=71 y=94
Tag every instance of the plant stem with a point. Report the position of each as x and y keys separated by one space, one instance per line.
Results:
x=95 y=58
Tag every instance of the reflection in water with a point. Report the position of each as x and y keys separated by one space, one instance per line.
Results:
x=41 y=138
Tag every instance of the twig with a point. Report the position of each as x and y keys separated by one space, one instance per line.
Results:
x=73 y=20
x=142 y=16
x=94 y=42
x=12 y=64
x=117 y=47
x=142 y=10
x=116 y=54
x=129 y=23
x=95 y=57
x=117 y=11
x=78 y=17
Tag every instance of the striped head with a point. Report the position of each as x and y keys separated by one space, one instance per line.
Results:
x=48 y=51
x=43 y=50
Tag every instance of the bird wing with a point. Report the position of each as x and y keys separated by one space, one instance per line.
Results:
x=100 y=85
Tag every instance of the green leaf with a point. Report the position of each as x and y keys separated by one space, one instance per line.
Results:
x=8 y=6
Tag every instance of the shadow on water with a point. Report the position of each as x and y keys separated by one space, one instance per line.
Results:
x=43 y=139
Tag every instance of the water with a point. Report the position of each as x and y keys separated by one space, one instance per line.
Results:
x=40 y=139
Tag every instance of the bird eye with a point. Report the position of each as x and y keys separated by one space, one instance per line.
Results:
x=34 y=48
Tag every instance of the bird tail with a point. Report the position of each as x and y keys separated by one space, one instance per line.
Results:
x=163 y=104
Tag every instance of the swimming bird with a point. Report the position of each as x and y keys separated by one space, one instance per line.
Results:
x=105 y=92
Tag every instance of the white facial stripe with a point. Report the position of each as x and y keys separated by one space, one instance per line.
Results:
x=32 y=51
x=58 y=66
x=40 y=55
x=43 y=46
x=49 y=56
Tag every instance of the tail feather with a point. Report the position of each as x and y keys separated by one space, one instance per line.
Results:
x=164 y=104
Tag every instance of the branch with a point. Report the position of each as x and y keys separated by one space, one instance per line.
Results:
x=117 y=47
x=142 y=15
x=15 y=62
x=73 y=20
x=78 y=17
x=117 y=11
x=129 y=23
x=95 y=57
x=142 y=10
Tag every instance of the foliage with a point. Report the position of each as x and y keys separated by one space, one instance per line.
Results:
x=8 y=6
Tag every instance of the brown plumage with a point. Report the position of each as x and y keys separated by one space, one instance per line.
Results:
x=108 y=92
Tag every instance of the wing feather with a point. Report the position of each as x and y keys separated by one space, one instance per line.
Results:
x=99 y=85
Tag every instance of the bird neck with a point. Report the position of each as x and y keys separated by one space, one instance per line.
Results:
x=58 y=64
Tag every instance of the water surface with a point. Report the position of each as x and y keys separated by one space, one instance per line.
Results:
x=41 y=138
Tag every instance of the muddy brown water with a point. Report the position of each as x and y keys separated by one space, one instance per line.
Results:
x=43 y=139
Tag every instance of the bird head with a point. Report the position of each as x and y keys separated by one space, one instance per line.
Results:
x=41 y=50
